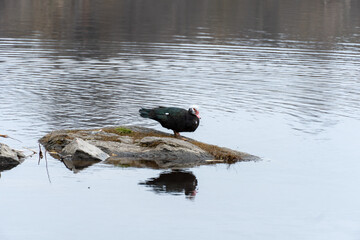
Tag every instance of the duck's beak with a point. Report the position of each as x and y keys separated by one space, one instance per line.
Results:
x=198 y=114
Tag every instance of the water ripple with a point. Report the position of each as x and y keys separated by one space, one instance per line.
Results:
x=42 y=86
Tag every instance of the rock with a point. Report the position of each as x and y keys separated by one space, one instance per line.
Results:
x=137 y=147
x=172 y=152
x=81 y=150
x=9 y=158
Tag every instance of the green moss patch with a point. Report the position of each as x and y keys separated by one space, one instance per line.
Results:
x=122 y=130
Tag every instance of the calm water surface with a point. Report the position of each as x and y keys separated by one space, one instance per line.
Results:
x=278 y=79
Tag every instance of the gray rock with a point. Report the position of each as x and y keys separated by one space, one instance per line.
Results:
x=158 y=152
x=79 y=149
x=172 y=149
x=138 y=147
x=9 y=157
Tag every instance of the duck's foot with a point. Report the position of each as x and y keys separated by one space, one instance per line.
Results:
x=177 y=135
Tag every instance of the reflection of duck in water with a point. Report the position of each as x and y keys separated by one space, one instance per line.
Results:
x=174 y=182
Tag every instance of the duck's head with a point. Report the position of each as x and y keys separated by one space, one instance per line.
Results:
x=194 y=110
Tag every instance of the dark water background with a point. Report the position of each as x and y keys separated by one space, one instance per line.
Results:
x=276 y=78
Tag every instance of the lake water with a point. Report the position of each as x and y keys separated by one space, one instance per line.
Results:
x=275 y=78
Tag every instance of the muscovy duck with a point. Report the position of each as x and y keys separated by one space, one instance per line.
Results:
x=176 y=119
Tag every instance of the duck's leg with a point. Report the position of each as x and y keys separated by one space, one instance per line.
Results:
x=176 y=134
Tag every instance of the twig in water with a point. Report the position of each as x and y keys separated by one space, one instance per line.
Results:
x=7 y=136
x=34 y=152
x=47 y=169
x=40 y=154
x=46 y=162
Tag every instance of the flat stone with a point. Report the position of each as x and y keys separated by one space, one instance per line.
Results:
x=81 y=150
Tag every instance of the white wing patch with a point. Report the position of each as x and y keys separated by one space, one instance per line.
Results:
x=167 y=114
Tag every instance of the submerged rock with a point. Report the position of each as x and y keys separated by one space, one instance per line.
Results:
x=9 y=158
x=135 y=146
